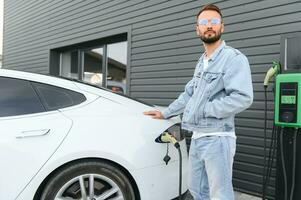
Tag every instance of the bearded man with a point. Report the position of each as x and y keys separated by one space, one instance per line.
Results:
x=220 y=88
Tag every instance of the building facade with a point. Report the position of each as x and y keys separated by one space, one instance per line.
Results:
x=149 y=49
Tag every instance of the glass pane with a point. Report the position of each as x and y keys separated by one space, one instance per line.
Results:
x=18 y=98
x=293 y=57
x=55 y=97
x=69 y=64
x=92 y=63
x=117 y=62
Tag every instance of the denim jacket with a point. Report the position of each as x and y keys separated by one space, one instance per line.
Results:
x=213 y=96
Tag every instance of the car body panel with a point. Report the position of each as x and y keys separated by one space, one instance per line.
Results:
x=25 y=146
x=162 y=181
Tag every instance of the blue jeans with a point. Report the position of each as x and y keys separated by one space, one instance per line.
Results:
x=210 y=168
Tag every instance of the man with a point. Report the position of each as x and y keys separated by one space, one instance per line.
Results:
x=220 y=88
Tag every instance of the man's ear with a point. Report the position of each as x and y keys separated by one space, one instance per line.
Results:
x=197 y=30
x=222 y=28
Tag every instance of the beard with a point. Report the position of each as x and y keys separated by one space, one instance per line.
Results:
x=211 y=39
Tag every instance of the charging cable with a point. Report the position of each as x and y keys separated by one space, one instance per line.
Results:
x=294 y=163
x=283 y=163
x=291 y=195
x=168 y=138
x=267 y=168
x=268 y=165
x=264 y=179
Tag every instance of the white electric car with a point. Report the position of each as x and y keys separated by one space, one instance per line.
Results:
x=62 y=140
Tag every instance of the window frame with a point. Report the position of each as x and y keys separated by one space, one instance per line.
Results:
x=121 y=35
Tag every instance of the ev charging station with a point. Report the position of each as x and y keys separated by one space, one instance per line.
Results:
x=286 y=133
x=288 y=119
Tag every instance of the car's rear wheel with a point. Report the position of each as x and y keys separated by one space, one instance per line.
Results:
x=89 y=180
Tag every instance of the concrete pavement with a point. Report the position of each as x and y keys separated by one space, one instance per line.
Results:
x=238 y=196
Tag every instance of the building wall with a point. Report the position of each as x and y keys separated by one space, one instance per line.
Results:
x=163 y=50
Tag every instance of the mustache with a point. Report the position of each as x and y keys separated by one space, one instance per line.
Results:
x=210 y=31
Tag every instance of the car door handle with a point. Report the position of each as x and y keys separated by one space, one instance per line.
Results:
x=33 y=133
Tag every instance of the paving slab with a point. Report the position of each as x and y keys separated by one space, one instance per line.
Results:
x=238 y=196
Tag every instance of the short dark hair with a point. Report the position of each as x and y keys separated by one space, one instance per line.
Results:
x=210 y=7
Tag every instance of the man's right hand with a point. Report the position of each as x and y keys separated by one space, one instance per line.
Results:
x=156 y=114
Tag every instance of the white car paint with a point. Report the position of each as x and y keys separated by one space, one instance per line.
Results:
x=28 y=140
x=106 y=126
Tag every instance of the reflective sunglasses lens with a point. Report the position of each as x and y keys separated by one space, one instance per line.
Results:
x=215 y=21
x=203 y=22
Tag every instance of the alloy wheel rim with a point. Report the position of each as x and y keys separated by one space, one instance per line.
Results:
x=90 y=187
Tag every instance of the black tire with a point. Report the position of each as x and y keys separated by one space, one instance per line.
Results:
x=114 y=178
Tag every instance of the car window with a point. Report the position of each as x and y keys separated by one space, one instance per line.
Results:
x=106 y=89
x=56 y=97
x=17 y=97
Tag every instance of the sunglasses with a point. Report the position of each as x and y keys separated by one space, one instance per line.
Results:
x=205 y=22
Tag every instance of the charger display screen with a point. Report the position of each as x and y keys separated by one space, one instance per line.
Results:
x=285 y=99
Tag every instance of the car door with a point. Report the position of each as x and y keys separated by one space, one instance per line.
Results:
x=26 y=143
x=29 y=135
